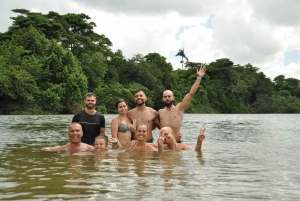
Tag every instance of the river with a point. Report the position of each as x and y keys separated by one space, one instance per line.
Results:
x=244 y=157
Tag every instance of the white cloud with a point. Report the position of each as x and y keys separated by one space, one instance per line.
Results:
x=245 y=31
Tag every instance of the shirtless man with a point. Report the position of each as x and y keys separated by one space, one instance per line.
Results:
x=172 y=115
x=143 y=114
x=75 y=145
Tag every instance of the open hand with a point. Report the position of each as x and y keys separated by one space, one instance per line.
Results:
x=112 y=140
x=201 y=71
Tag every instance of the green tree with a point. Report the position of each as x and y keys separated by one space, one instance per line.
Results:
x=183 y=56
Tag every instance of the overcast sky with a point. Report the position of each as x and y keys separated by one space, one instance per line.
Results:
x=264 y=33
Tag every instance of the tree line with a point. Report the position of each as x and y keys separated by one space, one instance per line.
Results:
x=49 y=61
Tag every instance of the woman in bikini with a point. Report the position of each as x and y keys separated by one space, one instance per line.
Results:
x=121 y=128
x=141 y=135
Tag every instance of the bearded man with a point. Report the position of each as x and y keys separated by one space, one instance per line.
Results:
x=92 y=121
x=172 y=115
x=143 y=114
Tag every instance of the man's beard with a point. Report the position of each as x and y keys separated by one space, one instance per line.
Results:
x=90 y=106
x=168 y=104
x=140 y=103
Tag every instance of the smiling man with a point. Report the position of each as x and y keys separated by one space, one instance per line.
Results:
x=143 y=114
x=92 y=121
x=75 y=144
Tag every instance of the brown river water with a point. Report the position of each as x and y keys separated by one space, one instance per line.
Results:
x=244 y=157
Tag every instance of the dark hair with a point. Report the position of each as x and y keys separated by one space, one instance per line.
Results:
x=102 y=136
x=139 y=91
x=89 y=95
x=120 y=101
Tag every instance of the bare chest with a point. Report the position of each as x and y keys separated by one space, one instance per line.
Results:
x=170 y=117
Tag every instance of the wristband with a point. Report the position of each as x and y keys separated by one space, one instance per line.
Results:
x=199 y=78
x=117 y=142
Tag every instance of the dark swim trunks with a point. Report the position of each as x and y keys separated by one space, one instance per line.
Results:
x=151 y=140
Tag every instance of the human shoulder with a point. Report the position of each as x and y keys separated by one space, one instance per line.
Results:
x=183 y=147
x=86 y=146
x=80 y=112
x=130 y=113
x=115 y=119
x=77 y=115
x=99 y=113
x=150 y=146
x=151 y=109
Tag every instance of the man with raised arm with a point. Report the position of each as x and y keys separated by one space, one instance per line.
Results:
x=172 y=115
x=143 y=114
x=75 y=144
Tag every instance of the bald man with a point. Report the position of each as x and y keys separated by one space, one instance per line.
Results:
x=172 y=115
x=166 y=140
x=75 y=145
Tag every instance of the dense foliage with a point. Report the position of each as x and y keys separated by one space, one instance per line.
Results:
x=49 y=61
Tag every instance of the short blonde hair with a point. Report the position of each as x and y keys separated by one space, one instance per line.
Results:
x=170 y=133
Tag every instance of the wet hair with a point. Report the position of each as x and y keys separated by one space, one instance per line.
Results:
x=102 y=136
x=139 y=91
x=120 y=101
x=89 y=95
x=142 y=124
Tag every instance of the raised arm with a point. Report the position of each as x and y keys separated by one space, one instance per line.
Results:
x=187 y=99
x=200 y=139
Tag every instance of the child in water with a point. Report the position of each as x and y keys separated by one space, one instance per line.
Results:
x=101 y=142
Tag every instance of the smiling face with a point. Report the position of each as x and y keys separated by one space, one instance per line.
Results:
x=141 y=132
x=90 y=102
x=122 y=108
x=168 y=135
x=75 y=133
x=140 y=98
x=100 y=144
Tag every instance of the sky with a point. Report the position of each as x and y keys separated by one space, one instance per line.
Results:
x=264 y=33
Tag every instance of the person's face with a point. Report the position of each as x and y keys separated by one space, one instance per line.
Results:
x=75 y=133
x=167 y=135
x=141 y=132
x=100 y=145
x=122 y=108
x=168 y=98
x=140 y=98
x=169 y=138
x=90 y=102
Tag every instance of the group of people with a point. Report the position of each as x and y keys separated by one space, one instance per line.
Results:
x=132 y=129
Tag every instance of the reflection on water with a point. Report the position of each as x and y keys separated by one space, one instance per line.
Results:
x=244 y=157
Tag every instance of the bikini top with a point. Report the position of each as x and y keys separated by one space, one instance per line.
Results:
x=123 y=128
